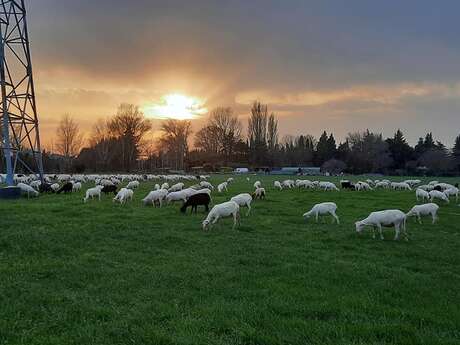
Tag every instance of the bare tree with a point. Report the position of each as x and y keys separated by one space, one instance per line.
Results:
x=174 y=140
x=129 y=127
x=69 y=140
x=207 y=140
x=257 y=133
x=102 y=143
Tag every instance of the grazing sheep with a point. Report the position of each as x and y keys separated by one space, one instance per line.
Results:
x=400 y=186
x=385 y=218
x=221 y=187
x=196 y=200
x=259 y=193
x=66 y=188
x=451 y=192
x=257 y=184
x=45 y=188
x=424 y=210
x=55 y=187
x=26 y=189
x=123 y=195
x=362 y=186
x=435 y=194
x=109 y=189
x=165 y=185
x=92 y=192
x=206 y=184
x=382 y=184
x=305 y=184
x=345 y=184
x=176 y=187
x=328 y=186
x=36 y=184
x=176 y=196
x=76 y=187
x=323 y=209
x=132 y=185
x=230 y=180
x=278 y=185
x=288 y=183
x=226 y=209
x=423 y=194
x=155 y=196
x=243 y=199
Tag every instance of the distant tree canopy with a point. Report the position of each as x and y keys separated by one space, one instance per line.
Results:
x=119 y=143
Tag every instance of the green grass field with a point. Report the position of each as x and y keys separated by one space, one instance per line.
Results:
x=98 y=273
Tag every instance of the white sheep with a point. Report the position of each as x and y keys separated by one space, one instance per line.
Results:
x=26 y=189
x=206 y=184
x=226 y=209
x=230 y=180
x=259 y=193
x=76 y=186
x=385 y=218
x=362 y=186
x=155 y=196
x=243 y=199
x=328 y=186
x=453 y=191
x=176 y=187
x=278 y=185
x=132 y=185
x=92 y=192
x=323 y=209
x=55 y=187
x=435 y=194
x=424 y=210
x=221 y=187
x=400 y=185
x=176 y=196
x=257 y=184
x=124 y=195
x=423 y=194
x=157 y=186
x=288 y=183
x=36 y=184
x=165 y=185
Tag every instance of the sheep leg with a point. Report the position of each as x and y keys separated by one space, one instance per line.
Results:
x=249 y=209
x=373 y=232
x=316 y=216
x=335 y=217
x=419 y=218
x=380 y=231
x=433 y=215
x=397 y=230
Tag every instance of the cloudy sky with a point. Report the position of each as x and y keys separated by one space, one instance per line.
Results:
x=339 y=65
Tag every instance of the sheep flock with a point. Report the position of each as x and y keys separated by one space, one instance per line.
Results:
x=197 y=191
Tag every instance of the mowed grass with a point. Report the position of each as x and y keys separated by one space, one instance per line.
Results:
x=98 y=273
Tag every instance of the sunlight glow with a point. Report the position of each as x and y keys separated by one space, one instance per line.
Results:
x=176 y=106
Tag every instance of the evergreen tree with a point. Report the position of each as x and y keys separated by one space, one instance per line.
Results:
x=332 y=147
x=400 y=150
x=322 y=149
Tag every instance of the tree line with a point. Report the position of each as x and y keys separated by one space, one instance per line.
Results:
x=121 y=144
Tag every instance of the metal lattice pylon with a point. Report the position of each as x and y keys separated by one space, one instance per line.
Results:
x=20 y=141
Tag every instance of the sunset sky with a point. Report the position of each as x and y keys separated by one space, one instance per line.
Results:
x=334 y=65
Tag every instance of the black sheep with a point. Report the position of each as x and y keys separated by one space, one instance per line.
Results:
x=438 y=188
x=45 y=188
x=195 y=201
x=347 y=185
x=109 y=189
x=66 y=188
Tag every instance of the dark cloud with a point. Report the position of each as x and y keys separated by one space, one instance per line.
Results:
x=219 y=49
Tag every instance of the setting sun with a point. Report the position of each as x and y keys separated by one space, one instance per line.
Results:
x=176 y=106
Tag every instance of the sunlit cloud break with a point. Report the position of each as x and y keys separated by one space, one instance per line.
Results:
x=176 y=106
